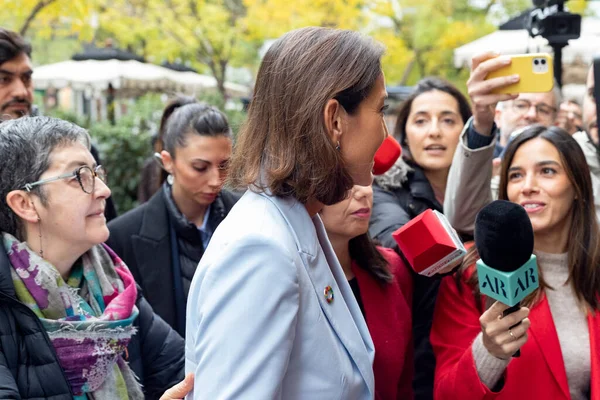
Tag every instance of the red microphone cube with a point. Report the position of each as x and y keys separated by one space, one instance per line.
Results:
x=429 y=243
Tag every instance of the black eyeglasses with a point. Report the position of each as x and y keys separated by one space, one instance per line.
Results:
x=84 y=174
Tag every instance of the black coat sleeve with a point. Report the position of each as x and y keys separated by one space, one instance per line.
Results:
x=162 y=352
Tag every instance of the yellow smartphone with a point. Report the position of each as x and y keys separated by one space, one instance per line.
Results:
x=536 y=72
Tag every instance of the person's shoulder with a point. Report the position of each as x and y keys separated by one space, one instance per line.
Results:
x=130 y=219
x=254 y=216
x=230 y=197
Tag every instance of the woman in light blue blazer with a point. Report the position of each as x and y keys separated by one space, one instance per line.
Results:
x=270 y=313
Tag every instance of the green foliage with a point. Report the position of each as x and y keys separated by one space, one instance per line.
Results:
x=123 y=154
x=126 y=145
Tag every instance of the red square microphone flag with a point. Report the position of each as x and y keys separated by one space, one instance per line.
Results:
x=429 y=243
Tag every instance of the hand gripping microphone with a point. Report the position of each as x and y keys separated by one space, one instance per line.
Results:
x=507 y=269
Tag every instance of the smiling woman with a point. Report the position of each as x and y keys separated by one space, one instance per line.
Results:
x=545 y=171
x=69 y=307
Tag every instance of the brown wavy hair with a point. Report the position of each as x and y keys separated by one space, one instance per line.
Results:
x=584 y=235
x=284 y=146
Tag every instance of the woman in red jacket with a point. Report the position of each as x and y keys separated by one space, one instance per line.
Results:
x=545 y=171
x=383 y=288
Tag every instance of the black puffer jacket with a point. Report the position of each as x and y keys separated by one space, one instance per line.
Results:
x=399 y=196
x=29 y=368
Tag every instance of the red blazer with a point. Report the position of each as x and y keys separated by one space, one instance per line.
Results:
x=538 y=374
x=388 y=315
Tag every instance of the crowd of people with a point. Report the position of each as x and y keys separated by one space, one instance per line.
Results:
x=267 y=268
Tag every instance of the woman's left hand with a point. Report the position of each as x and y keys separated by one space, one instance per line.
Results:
x=180 y=390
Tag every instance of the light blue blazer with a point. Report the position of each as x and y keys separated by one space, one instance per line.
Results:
x=259 y=325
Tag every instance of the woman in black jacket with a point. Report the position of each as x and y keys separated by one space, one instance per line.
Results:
x=72 y=321
x=163 y=240
x=428 y=127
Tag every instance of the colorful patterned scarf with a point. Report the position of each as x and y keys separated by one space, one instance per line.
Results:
x=89 y=318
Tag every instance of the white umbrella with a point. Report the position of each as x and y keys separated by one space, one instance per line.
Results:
x=196 y=82
x=518 y=42
x=131 y=74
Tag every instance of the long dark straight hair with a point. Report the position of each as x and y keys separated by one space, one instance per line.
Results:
x=363 y=251
x=584 y=235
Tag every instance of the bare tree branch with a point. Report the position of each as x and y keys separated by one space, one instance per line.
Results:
x=36 y=10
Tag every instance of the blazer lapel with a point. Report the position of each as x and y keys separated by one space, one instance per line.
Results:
x=544 y=333
x=152 y=249
x=346 y=318
x=343 y=313
x=154 y=263
x=594 y=327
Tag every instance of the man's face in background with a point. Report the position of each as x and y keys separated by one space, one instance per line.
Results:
x=570 y=117
x=16 y=87
x=526 y=110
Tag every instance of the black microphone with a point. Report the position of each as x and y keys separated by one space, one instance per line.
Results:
x=507 y=269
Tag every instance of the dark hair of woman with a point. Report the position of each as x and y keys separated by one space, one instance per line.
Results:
x=195 y=118
x=364 y=252
x=584 y=235
x=180 y=101
x=284 y=146
x=423 y=86
x=208 y=121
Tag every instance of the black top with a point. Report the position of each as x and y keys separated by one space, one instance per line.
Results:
x=356 y=290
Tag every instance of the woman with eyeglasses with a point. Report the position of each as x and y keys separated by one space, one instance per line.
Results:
x=163 y=240
x=73 y=324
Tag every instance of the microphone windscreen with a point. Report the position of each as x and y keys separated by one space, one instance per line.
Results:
x=504 y=235
x=387 y=155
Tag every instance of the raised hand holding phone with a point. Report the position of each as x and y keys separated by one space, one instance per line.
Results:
x=482 y=91
x=534 y=70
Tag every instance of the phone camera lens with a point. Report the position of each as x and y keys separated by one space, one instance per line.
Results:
x=536 y=62
x=543 y=61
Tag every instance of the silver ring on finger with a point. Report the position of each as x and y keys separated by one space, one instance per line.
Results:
x=511 y=334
